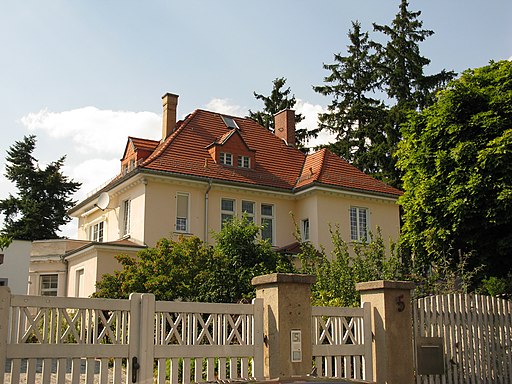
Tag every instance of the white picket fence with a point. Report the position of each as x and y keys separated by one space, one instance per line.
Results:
x=342 y=342
x=477 y=337
x=81 y=340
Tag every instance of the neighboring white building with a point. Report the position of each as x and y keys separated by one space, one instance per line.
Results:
x=14 y=268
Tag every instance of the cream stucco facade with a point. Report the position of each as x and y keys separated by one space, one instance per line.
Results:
x=153 y=210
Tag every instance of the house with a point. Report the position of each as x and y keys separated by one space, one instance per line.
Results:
x=210 y=167
x=14 y=261
x=66 y=267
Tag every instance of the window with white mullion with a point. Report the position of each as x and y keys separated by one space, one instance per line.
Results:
x=305 y=229
x=244 y=162
x=358 y=224
x=226 y=158
x=126 y=217
x=182 y=208
x=49 y=285
x=96 y=232
x=227 y=210
x=267 y=222
x=248 y=210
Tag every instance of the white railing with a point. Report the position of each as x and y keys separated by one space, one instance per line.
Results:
x=342 y=342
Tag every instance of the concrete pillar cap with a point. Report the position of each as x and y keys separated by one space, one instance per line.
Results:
x=274 y=278
x=384 y=284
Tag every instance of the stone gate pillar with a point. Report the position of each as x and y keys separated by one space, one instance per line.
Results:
x=287 y=323
x=392 y=329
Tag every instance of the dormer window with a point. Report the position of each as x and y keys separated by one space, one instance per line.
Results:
x=226 y=158
x=244 y=162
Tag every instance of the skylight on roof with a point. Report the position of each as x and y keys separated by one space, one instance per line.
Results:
x=230 y=123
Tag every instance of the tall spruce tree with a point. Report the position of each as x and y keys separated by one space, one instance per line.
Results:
x=278 y=100
x=354 y=114
x=368 y=131
x=402 y=69
x=43 y=197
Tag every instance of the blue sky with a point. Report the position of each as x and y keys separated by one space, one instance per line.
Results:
x=82 y=75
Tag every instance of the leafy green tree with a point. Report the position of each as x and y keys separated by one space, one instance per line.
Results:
x=43 y=198
x=337 y=274
x=189 y=270
x=5 y=241
x=457 y=161
x=171 y=271
x=240 y=255
x=278 y=100
x=354 y=114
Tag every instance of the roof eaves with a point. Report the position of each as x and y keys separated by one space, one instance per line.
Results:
x=348 y=189
x=94 y=244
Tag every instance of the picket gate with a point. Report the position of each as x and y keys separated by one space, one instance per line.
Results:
x=342 y=342
x=477 y=337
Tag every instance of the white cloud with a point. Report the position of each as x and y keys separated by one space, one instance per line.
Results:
x=225 y=106
x=310 y=113
x=93 y=173
x=95 y=131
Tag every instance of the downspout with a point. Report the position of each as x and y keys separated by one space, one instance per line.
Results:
x=206 y=196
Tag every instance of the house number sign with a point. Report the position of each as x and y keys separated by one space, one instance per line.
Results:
x=400 y=305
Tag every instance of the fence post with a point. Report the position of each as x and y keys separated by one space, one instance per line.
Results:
x=287 y=323
x=132 y=370
x=147 y=338
x=392 y=329
x=5 y=306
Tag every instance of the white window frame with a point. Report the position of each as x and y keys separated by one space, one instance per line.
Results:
x=244 y=162
x=226 y=158
x=79 y=278
x=264 y=219
x=95 y=229
x=305 y=229
x=251 y=215
x=182 y=223
x=224 y=213
x=359 y=219
x=48 y=291
x=127 y=209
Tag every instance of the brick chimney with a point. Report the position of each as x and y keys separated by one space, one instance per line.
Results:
x=170 y=104
x=284 y=123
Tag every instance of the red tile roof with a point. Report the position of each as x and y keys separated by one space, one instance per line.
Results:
x=185 y=152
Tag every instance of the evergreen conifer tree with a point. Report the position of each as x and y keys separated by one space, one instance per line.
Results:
x=43 y=197
x=278 y=100
x=402 y=70
x=354 y=115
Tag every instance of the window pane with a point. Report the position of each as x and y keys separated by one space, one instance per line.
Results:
x=305 y=229
x=248 y=207
x=181 y=224
x=266 y=232
x=228 y=205
x=362 y=225
x=353 y=224
x=182 y=205
x=267 y=209
x=100 y=232
x=126 y=217
x=49 y=285
x=182 y=212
